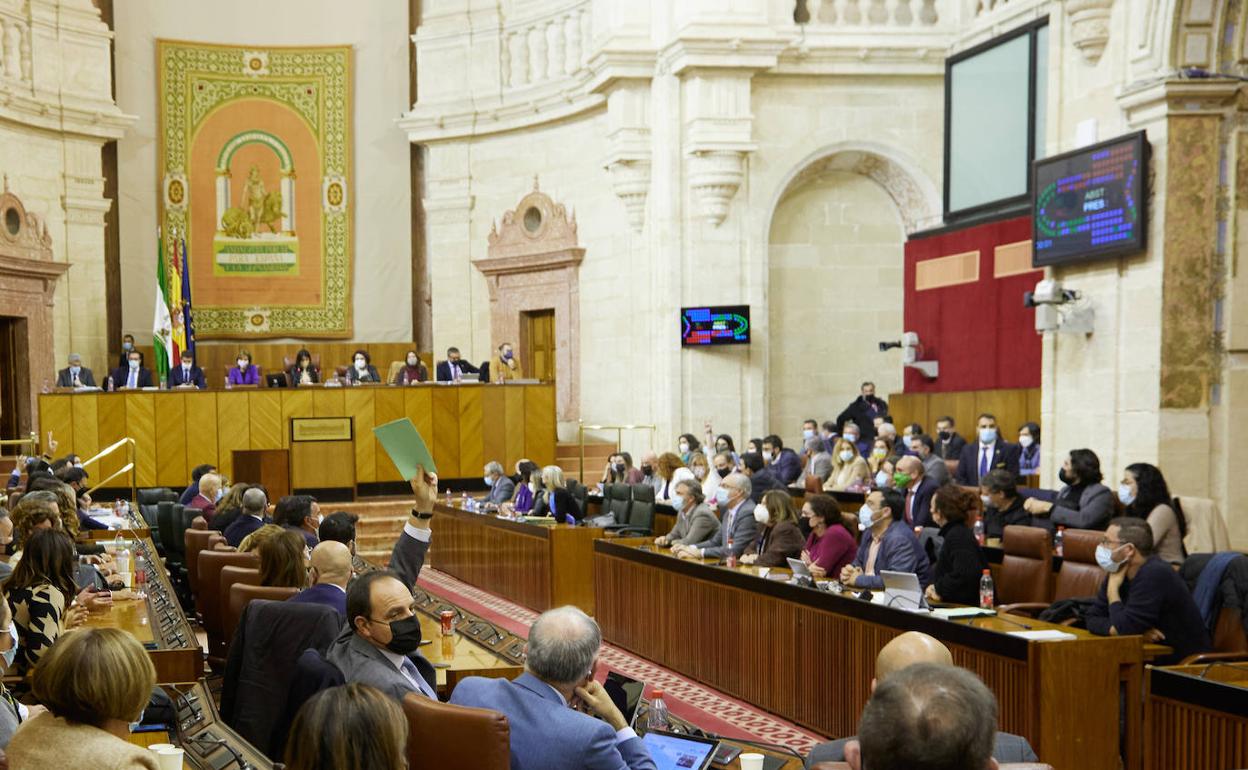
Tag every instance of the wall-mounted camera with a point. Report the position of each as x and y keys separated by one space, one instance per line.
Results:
x=910 y=347
x=1059 y=309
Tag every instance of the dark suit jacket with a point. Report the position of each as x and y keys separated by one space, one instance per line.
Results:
x=197 y=377
x=294 y=375
x=952 y=450
x=121 y=377
x=1005 y=455
x=353 y=375
x=323 y=593
x=64 y=380
x=1008 y=748
x=960 y=566
x=241 y=528
x=762 y=482
x=443 y=370
x=863 y=414
x=921 y=508
x=565 y=504
x=783 y=541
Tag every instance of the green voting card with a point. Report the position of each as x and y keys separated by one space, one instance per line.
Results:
x=406 y=448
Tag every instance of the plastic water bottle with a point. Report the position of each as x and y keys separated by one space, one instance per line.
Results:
x=979 y=531
x=1057 y=541
x=449 y=502
x=123 y=560
x=986 y=590
x=657 y=716
x=732 y=555
x=463 y=502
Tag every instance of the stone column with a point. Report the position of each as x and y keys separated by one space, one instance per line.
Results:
x=80 y=310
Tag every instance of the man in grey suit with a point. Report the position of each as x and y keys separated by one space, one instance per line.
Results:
x=378 y=645
x=543 y=705
x=75 y=375
x=737 y=523
x=501 y=487
x=903 y=651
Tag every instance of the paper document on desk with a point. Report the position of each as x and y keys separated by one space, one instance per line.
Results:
x=1045 y=635
x=950 y=613
x=405 y=447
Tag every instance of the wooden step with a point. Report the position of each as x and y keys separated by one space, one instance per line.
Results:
x=572 y=449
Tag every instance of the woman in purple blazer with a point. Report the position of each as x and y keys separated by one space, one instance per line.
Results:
x=244 y=373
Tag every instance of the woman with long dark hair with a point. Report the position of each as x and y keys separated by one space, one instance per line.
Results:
x=41 y=593
x=1144 y=492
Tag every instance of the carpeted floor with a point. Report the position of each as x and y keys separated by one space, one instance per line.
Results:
x=709 y=709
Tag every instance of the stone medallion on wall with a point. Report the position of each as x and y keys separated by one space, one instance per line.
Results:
x=27 y=281
x=532 y=264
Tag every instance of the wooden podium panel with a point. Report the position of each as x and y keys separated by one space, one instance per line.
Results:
x=268 y=467
x=322 y=466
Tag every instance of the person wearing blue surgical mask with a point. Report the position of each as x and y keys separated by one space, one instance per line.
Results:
x=1146 y=495
x=888 y=544
x=501 y=487
x=737 y=523
x=695 y=521
x=75 y=375
x=210 y=488
x=990 y=452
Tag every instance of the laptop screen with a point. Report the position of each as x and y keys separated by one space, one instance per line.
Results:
x=679 y=752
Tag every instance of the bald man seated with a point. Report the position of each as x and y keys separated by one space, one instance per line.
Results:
x=330 y=573
x=906 y=650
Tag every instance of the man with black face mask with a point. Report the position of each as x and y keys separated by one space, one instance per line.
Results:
x=378 y=645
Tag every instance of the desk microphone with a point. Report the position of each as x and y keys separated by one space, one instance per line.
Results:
x=239 y=759
x=1003 y=619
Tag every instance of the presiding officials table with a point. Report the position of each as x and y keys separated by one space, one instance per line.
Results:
x=809 y=656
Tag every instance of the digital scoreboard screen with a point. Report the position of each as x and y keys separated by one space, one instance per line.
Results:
x=726 y=325
x=1090 y=203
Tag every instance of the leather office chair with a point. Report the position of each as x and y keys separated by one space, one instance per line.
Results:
x=640 y=511
x=149 y=499
x=617 y=498
x=441 y=735
x=196 y=540
x=484 y=374
x=1079 y=576
x=289 y=361
x=163 y=534
x=241 y=594
x=1230 y=642
x=219 y=644
x=1027 y=567
x=393 y=371
x=210 y=565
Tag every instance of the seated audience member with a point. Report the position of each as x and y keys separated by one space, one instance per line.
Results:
x=75 y=375
x=905 y=650
x=42 y=593
x=230 y=507
x=192 y=489
x=722 y=443
x=85 y=520
x=817 y=468
x=12 y=713
x=934 y=468
x=94 y=683
x=66 y=501
x=695 y=522
x=853 y=434
x=362 y=369
x=961 y=562
x=829 y=434
x=253 y=541
x=251 y=517
x=754 y=445
x=339 y=527
x=284 y=561
x=243 y=373
x=351 y=725
x=783 y=463
x=762 y=480
x=886 y=430
x=665 y=475
x=1003 y=505
x=303 y=372
x=1029 y=449
x=187 y=375
x=884 y=476
x=687 y=445
x=557 y=501
x=35 y=511
x=810 y=429
x=1084 y=503
x=830 y=546
x=949 y=443
x=501 y=487
x=881 y=450
x=723 y=464
x=988 y=453
x=526 y=489
x=6 y=542
x=412 y=371
x=779 y=538
x=849 y=470
x=620 y=470
x=210 y=492
x=647 y=462
x=1143 y=594
x=328 y=577
x=300 y=513
x=505 y=365
x=1144 y=492
x=454 y=367
x=74 y=476
x=863 y=411
x=737 y=524
x=888 y=544
x=133 y=374
x=910 y=480
x=379 y=646
x=700 y=466
x=544 y=705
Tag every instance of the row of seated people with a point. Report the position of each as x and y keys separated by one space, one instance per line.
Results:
x=304 y=369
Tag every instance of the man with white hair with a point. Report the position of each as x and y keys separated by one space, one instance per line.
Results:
x=544 y=705
x=501 y=487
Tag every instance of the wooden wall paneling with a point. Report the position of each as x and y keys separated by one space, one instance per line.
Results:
x=1033 y=406
x=171 y=437
x=111 y=413
x=508 y=561
x=56 y=414
x=1009 y=406
x=513 y=426
x=494 y=428
x=907 y=408
x=445 y=430
x=328 y=402
x=387 y=407
x=359 y=406
x=264 y=410
x=572 y=581
x=539 y=433
x=418 y=407
x=233 y=428
x=471 y=443
x=86 y=430
x=295 y=403
x=201 y=431
x=1181 y=735
x=141 y=425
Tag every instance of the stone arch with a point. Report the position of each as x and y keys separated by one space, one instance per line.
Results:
x=1198 y=34
x=239 y=141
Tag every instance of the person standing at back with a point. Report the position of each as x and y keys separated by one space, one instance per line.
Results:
x=949 y=442
x=862 y=411
x=989 y=453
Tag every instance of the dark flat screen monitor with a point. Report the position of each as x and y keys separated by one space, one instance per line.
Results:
x=722 y=325
x=1091 y=203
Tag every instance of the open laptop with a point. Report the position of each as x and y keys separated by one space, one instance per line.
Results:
x=903 y=591
x=680 y=752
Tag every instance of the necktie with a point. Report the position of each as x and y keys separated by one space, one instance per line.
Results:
x=413 y=673
x=983 y=461
x=132 y=380
x=909 y=506
x=186 y=374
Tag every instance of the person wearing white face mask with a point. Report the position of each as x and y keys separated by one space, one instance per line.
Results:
x=888 y=544
x=989 y=453
x=134 y=374
x=737 y=523
x=362 y=369
x=779 y=538
x=243 y=373
x=1144 y=492
x=695 y=522
x=1143 y=594
x=1029 y=449
x=849 y=469
x=412 y=371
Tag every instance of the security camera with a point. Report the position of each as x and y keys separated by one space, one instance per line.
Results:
x=1059 y=309
x=1049 y=292
x=909 y=344
x=889 y=346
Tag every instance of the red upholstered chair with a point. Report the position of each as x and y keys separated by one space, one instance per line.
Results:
x=441 y=735
x=1027 y=567
x=240 y=596
x=198 y=540
x=1079 y=576
x=209 y=603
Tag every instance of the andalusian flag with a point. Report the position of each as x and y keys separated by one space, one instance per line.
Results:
x=162 y=327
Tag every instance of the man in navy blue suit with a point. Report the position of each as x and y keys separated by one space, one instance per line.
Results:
x=548 y=732
x=331 y=571
x=252 y=518
x=988 y=454
x=188 y=375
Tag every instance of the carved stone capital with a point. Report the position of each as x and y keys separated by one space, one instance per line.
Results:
x=714 y=176
x=630 y=181
x=1089 y=26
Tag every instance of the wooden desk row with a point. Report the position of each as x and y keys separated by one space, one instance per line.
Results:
x=465 y=426
x=1196 y=717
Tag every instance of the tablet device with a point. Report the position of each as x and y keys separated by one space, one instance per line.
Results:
x=275 y=380
x=902 y=590
x=625 y=693
x=680 y=752
x=799 y=568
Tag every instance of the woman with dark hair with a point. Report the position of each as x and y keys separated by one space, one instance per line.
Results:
x=779 y=538
x=1084 y=503
x=1029 y=457
x=526 y=489
x=352 y=725
x=722 y=443
x=41 y=593
x=687 y=445
x=230 y=507
x=362 y=369
x=755 y=445
x=284 y=560
x=961 y=563
x=303 y=372
x=1143 y=490
x=244 y=373
x=831 y=543
x=412 y=371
